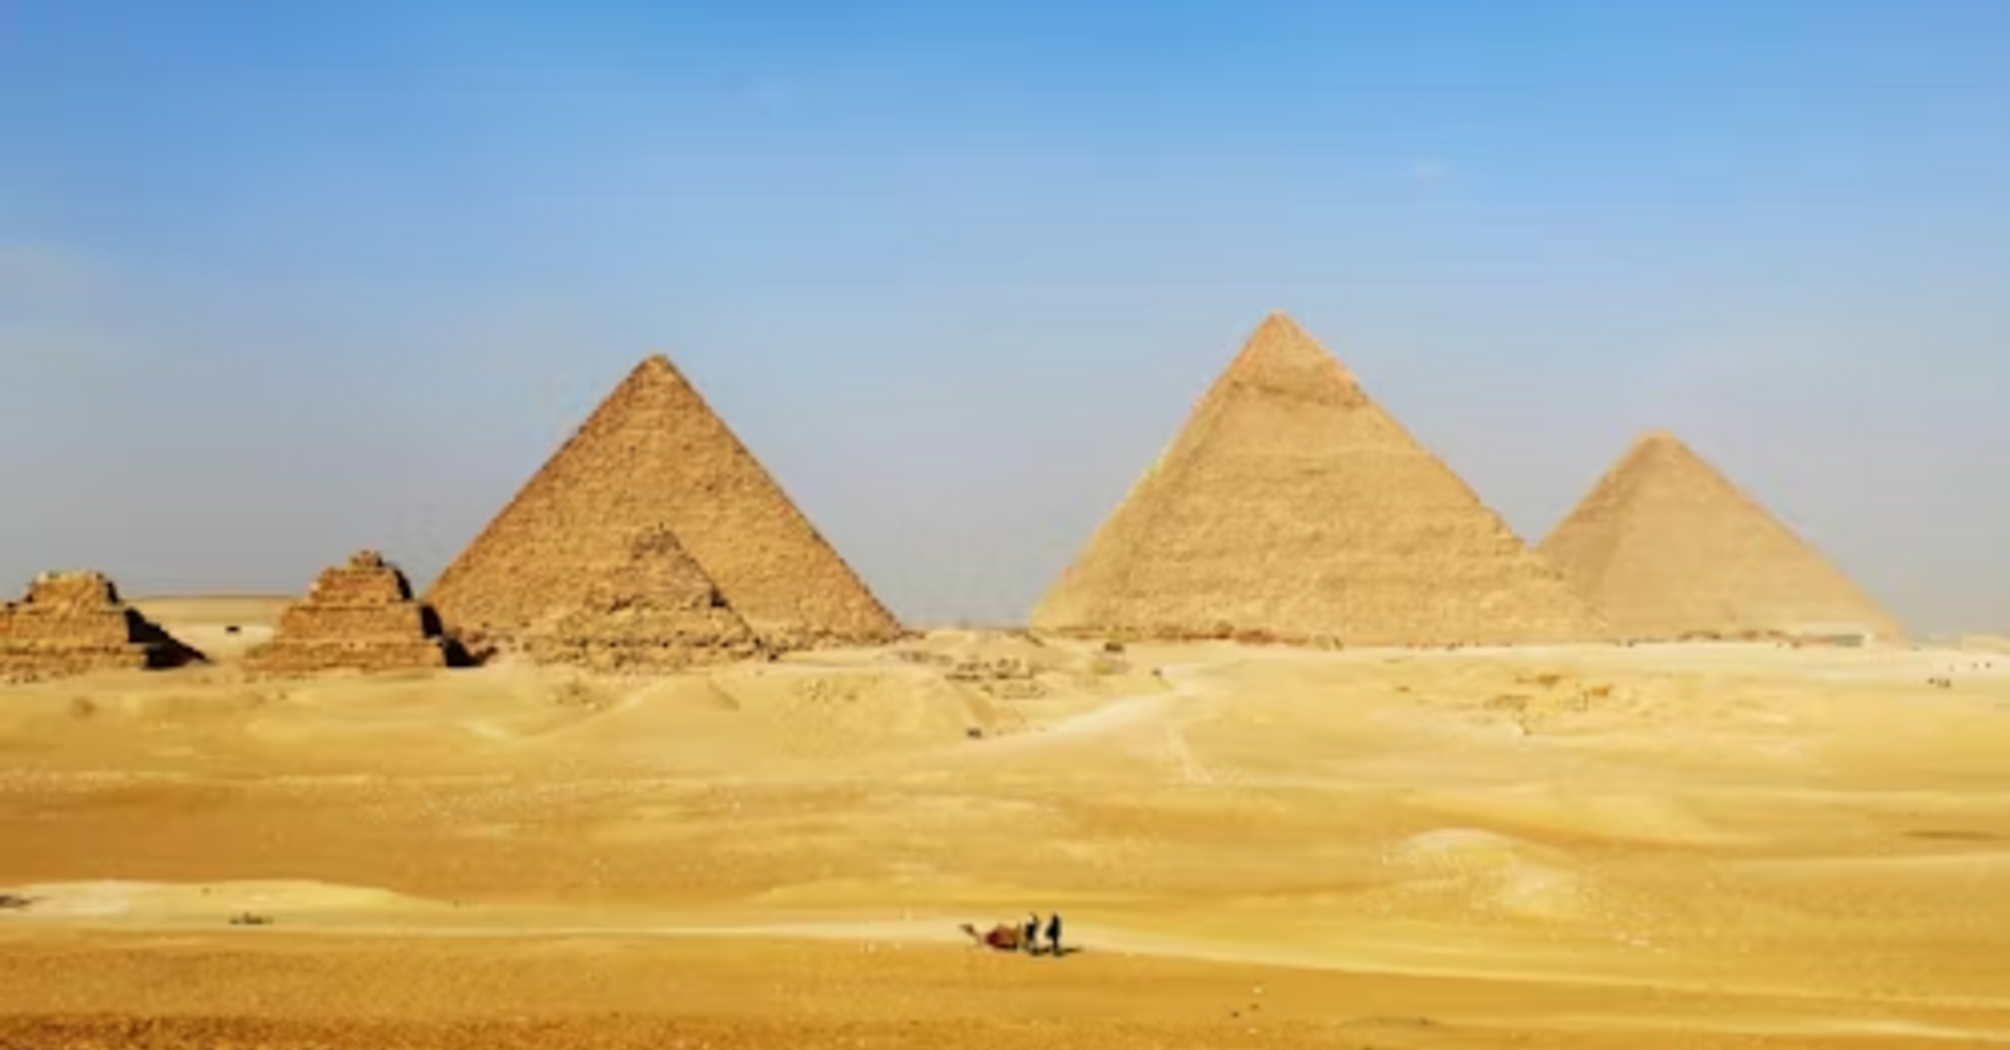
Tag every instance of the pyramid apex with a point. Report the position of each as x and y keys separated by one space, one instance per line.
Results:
x=1659 y=446
x=657 y=363
x=1280 y=326
x=1281 y=354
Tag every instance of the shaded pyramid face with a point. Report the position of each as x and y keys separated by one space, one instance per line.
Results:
x=1667 y=548
x=1292 y=505
x=654 y=454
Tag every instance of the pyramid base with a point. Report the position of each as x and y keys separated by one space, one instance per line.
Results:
x=801 y=639
x=295 y=658
x=641 y=639
x=1188 y=636
x=40 y=661
x=640 y=657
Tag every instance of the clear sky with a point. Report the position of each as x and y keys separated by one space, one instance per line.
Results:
x=283 y=279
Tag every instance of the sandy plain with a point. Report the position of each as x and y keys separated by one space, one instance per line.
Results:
x=1577 y=847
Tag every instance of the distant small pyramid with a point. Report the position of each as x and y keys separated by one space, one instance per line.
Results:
x=74 y=622
x=657 y=611
x=1668 y=548
x=357 y=617
x=654 y=453
x=1292 y=506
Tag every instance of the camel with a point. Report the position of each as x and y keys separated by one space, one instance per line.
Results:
x=1003 y=937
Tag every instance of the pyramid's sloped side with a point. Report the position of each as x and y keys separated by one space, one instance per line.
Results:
x=655 y=453
x=1292 y=505
x=1667 y=547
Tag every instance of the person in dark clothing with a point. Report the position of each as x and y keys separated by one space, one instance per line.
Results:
x=1031 y=942
x=1054 y=934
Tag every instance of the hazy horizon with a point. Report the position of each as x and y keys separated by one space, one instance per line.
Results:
x=281 y=283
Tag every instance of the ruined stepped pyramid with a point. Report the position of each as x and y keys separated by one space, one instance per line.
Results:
x=73 y=623
x=359 y=617
x=1292 y=507
x=654 y=454
x=1669 y=548
x=654 y=610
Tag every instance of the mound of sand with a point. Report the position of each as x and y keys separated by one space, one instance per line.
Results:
x=829 y=713
x=1471 y=871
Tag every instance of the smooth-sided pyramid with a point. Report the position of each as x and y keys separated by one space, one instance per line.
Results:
x=1292 y=506
x=72 y=623
x=655 y=454
x=360 y=617
x=655 y=611
x=1669 y=548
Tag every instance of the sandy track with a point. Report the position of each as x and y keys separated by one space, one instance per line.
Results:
x=306 y=991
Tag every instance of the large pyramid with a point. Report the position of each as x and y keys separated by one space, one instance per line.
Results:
x=655 y=455
x=1668 y=548
x=1292 y=506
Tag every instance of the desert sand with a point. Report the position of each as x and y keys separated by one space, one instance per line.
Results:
x=1596 y=846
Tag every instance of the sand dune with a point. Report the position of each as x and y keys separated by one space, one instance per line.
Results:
x=1583 y=847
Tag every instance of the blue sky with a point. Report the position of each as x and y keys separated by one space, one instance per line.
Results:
x=281 y=279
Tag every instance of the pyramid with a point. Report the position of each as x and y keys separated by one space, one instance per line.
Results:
x=656 y=611
x=360 y=616
x=654 y=454
x=1669 y=548
x=1292 y=507
x=73 y=623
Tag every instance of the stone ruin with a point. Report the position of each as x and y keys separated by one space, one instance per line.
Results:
x=73 y=623
x=656 y=611
x=358 y=617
